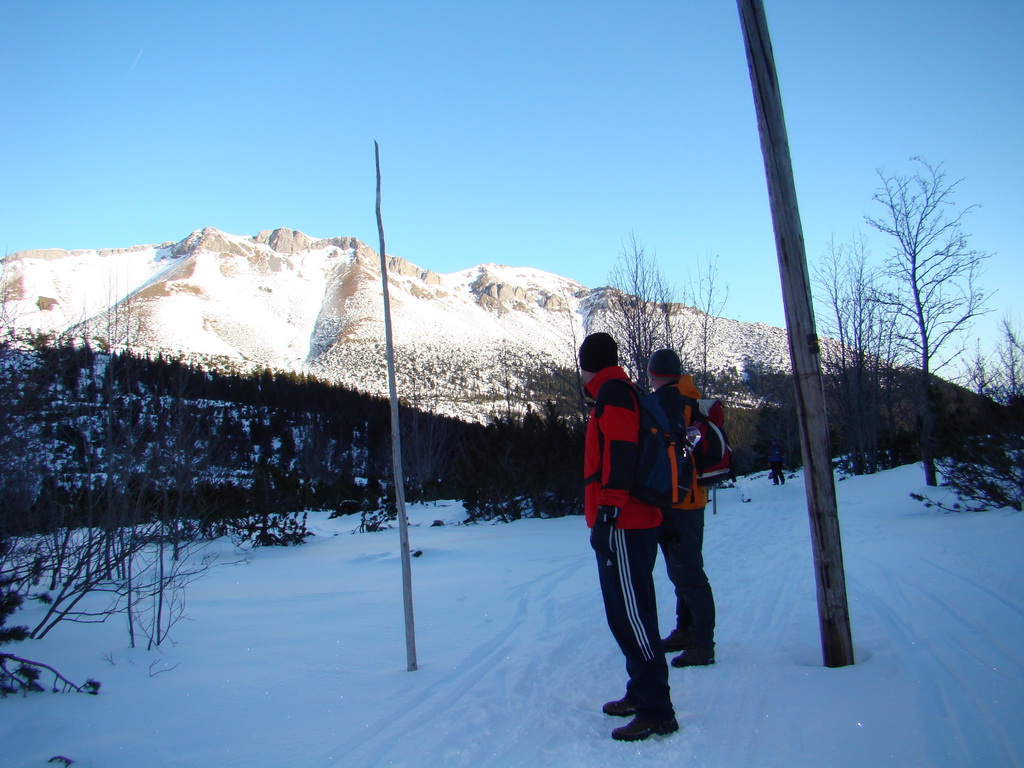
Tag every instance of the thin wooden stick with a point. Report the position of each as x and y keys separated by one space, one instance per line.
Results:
x=396 y=443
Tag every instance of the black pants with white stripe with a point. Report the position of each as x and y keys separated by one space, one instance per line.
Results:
x=625 y=563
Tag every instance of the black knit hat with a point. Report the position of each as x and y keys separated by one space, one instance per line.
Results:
x=597 y=352
x=665 y=363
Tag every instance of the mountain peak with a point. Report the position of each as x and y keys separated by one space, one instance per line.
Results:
x=213 y=240
x=284 y=240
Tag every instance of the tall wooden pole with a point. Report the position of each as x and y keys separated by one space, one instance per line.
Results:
x=833 y=611
x=396 y=443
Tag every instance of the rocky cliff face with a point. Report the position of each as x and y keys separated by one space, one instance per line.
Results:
x=285 y=301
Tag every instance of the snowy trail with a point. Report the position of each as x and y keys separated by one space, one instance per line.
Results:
x=490 y=680
x=747 y=561
x=297 y=657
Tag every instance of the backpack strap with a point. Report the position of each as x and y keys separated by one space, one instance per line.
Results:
x=695 y=413
x=636 y=401
x=630 y=385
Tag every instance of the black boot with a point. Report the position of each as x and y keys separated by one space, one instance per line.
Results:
x=695 y=656
x=621 y=708
x=638 y=730
x=677 y=640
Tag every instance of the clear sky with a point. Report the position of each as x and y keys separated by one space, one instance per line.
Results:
x=525 y=133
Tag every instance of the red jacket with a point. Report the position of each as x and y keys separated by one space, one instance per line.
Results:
x=609 y=461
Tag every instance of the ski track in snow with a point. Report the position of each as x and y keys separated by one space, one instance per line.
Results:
x=471 y=686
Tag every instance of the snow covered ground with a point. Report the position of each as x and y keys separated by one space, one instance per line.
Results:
x=297 y=657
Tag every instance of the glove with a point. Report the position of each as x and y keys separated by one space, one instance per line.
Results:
x=607 y=514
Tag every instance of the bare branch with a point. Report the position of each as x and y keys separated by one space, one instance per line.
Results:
x=640 y=307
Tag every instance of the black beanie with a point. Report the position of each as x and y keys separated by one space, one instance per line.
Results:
x=665 y=363
x=597 y=352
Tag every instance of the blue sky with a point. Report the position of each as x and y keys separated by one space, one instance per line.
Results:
x=532 y=133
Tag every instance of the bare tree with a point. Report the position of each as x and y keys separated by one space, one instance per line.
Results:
x=1000 y=377
x=80 y=563
x=710 y=298
x=935 y=278
x=177 y=458
x=861 y=328
x=640 y=307
x=566 y=382
x=1011 y=362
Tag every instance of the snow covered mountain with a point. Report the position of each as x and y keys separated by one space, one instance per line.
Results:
x=286 y=301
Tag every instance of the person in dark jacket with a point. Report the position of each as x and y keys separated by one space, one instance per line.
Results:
x=682 y=528
x=776 y=456
x=624 y=536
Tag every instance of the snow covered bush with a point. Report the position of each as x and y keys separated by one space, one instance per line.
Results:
x=989 y=469
x=984 y=449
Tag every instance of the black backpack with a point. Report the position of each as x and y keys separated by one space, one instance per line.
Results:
x=664 y=468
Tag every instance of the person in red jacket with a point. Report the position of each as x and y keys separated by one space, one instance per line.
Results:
x=624 y=535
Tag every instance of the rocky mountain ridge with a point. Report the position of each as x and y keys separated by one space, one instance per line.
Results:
x=286 y=301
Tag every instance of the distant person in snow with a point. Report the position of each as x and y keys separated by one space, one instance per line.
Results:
x=776 y=457
x=624 y=535
x=682 y=528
